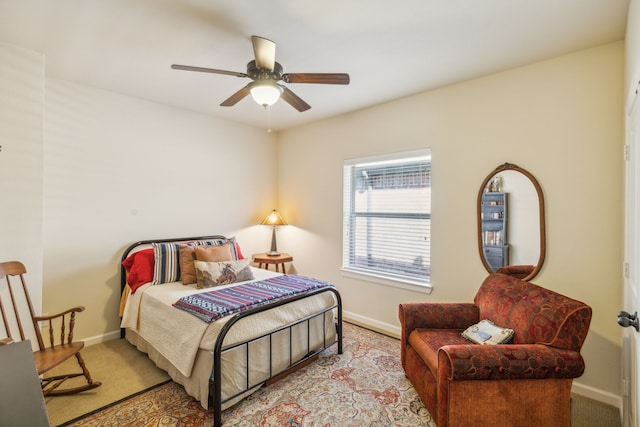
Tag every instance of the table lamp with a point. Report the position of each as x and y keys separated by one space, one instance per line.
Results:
x=273 y=219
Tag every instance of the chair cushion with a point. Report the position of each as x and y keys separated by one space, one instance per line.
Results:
x=427 y=342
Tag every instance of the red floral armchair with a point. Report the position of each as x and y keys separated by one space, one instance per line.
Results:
x=526 y=382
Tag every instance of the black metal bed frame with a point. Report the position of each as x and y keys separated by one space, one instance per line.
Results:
x=215 y=380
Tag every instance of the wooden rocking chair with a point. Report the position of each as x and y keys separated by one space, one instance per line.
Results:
x=52 y=355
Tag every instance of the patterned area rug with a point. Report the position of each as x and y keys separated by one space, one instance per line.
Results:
x=363 y=386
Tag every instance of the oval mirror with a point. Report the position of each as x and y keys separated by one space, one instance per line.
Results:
x=511 y=223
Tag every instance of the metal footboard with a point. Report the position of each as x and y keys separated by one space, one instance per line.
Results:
x=215 y=383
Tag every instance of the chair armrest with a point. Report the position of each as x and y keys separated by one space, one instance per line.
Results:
x=65 y=323
x=507 y=361
x=64 y=313
x=5 y=341
x=436 y=316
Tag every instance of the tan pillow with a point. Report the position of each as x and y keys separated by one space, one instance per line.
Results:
x=187 y=269
x=218 y=253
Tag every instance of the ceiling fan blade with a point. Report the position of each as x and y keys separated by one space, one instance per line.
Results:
x=322 y=78
x=236 y=97
x=294 y=100
x=207 y=70
x=264 y=51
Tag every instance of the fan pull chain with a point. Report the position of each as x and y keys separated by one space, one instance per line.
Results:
x=268 y=108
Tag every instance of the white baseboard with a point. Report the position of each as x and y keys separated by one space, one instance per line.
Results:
x=376 y=325
x=393 y=330
x=597 y=394
x=102 y=338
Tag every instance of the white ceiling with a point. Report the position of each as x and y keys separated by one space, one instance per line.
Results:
x=390 y=49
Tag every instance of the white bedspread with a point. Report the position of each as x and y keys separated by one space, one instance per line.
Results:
x=178 y=335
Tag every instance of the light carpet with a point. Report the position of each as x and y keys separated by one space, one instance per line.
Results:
x=122 y=369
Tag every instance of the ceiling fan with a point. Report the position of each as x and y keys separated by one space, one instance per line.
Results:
x=266 y=73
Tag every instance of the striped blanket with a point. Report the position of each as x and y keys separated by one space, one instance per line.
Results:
x=212 y=305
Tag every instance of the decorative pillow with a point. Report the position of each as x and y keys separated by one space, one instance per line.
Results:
x=187 y=269
x=224 y=252
x=139 y=268
x=189 y=253
x=211 y=274
x=486 y=332
x=239 y=251
x=167 y=259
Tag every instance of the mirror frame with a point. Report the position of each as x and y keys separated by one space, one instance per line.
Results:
x=536 y=185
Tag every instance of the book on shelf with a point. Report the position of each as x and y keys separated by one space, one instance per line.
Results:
x=493 y=238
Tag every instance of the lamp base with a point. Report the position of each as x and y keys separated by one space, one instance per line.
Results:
x=274 y=245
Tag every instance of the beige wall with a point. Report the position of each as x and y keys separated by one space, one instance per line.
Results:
x=561 y=119
x=21 y=152
x=118 y=169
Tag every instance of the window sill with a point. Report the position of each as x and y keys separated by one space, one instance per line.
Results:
x=382 y=280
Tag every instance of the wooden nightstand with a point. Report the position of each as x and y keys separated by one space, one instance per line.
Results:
x=277 y=260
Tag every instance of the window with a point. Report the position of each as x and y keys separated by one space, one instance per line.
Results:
x=387 y=217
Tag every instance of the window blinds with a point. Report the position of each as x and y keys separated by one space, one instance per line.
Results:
x=387 y=216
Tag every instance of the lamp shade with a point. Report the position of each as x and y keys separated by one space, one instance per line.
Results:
x=265 y=93
x=274 y=218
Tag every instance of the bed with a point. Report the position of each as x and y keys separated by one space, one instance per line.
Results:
x=219 y=357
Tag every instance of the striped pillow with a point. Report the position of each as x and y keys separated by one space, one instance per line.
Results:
x=167 y=258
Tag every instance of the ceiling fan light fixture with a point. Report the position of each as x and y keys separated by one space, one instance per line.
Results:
x=265 y=93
